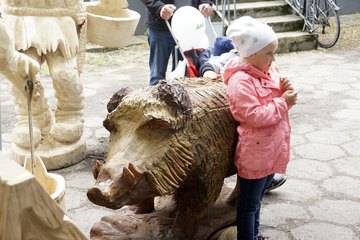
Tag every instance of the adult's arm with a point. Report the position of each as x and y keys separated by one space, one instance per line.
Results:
x=206 y=1
x=154 y=6
x=203 y=62
x=15 y=66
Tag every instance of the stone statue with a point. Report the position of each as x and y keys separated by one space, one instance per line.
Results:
x=177 y=138
x=53 y=32
x=15 y=66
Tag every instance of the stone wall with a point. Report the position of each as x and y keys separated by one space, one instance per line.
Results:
x=139 y=7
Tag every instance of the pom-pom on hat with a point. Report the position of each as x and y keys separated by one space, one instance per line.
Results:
x=249 y=35
x=222 y=45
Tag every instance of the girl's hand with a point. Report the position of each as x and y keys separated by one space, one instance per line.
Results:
x=290 y=97
x=212 y=75
x=285 y=84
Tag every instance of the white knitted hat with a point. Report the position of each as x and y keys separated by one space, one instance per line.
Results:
x=249 y=35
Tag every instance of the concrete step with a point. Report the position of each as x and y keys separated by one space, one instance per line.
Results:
x=259 y=9
x=247 y=1
x=296 y=41
x=289 y=41
x=278 y=14
x=284 y=23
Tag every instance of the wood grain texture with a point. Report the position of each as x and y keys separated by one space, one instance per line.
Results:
x=174 y=139
x=27 y=211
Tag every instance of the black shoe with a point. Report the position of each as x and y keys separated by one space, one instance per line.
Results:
x=261 y=237
x=277 y=181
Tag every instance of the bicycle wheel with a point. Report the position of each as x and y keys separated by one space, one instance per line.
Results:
x=326 y=25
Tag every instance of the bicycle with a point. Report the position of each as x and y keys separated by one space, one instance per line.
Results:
x=321 y=18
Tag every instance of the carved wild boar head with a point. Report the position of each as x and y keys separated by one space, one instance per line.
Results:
x=145 y=127
x=112 y=186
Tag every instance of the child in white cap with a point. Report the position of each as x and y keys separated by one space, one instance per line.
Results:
x=259 y=100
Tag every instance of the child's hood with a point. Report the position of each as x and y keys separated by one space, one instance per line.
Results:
x=236 y=64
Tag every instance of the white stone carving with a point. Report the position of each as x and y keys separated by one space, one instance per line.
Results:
x=52 y=32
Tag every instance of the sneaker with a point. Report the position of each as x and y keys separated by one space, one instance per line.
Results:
x=261 y=237
x=277 y=181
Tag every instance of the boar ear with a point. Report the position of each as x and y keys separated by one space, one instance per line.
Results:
x=127 y=177
x=135 y=171
x=96 y=169
x=175 y=96
x=115 y=100
x=109 y=125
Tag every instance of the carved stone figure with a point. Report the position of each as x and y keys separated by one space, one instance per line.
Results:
x=111 y=23
x=49 y=31
x=15 y=66
x=177 y=138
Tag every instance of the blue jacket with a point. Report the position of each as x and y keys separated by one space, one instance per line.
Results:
x=153 y=19
x=198 y=62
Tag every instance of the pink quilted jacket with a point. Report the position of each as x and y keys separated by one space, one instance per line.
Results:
x=255 y=100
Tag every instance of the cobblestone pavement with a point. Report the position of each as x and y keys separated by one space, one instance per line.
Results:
x=320 y=200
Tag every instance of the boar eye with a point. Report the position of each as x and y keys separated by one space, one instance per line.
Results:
x=156 y=123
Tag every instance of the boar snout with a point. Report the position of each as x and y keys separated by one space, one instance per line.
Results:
x=96 y=196
x=113 y=190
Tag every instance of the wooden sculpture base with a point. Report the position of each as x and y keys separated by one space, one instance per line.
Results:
x=158 y=224
x=55 y=155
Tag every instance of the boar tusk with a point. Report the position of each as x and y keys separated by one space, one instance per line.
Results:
x=96 y=169
x=135 y=171
x=128 y=177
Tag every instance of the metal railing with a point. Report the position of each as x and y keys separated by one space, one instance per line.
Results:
x=226 y=11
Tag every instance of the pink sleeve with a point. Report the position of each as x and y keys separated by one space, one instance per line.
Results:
x=245 y=105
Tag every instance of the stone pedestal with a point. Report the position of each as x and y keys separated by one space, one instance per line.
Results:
x=55 y=155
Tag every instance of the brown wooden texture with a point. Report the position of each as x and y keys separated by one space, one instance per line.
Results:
x=158 y=224
x=176 y=138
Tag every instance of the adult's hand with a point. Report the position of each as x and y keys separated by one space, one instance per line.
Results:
x=167 y=11
x=205 y=9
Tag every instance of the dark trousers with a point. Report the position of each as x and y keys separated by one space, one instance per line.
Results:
x=161 y=47
x=248 y=211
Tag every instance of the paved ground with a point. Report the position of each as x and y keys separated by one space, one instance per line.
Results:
x=320 y=200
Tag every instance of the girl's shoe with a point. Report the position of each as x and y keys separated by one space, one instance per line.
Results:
x=277 y=181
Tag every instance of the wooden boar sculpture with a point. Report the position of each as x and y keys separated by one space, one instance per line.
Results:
x=177 y=138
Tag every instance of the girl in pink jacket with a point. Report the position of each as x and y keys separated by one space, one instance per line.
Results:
x=259 y=100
